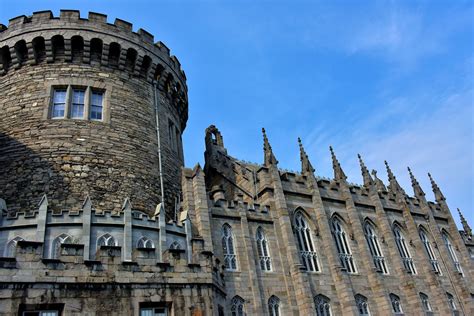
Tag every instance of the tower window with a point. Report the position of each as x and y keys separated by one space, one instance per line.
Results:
x=262 y=249
x=96 y=105
x=59 y=103
x=77 y=109
x=305 y=243
x=230 y=259
x=404 y=251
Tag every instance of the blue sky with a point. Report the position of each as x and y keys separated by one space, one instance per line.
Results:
x=387 y=79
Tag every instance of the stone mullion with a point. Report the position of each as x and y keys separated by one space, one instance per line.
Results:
x=105 y=55
x=138 y=65
x=48 y=47
x=122 y=59
x=67 y=50
x=342 y=282
x=300 y=287
x=31 y=58
x=86 y=56
x=367 y=260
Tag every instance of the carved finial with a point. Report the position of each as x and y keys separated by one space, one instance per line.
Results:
x=269 y=157
x=368 y=181
x=338 y=172
x=416 y=185
x=378 y=183
x=437 y=192
x=393 y=186
x=305 y=163
x=465 y=225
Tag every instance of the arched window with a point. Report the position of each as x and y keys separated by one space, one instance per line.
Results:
x=96 y=50
x=375 y=249
x=429 y=250
x=114 y=54
x=106 y=240
x=146 y=63
x=274 y=306
x=56 y=244
x=5 y=57
x=77 y=48
x=57 y=43
x=451 y=302
x=175 y=245
x=425 y=302
x=237 y=306
x=452 y=253
x=342 y=245
x=323 y=305
x=10 y=248
x=396 y=305
x=262 y=248
x=362 y=305
x=130 y=59
x=39 y=49
x=230 y=259
x=158 y=72
x=145 y=242
x=403 y=249
x=305 y=243
x=21 y=52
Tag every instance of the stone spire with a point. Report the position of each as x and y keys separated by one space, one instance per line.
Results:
x=378 y=183
x=305 y=163
x=338 y=172
x=465 y=225
x=368 y=181
x=437 y=192
x=269 y=157
x=416 y=185
x=393 y=186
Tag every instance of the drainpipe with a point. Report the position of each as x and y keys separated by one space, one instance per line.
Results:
x=157 y=118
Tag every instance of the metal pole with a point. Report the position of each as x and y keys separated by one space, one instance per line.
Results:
x=157 y=118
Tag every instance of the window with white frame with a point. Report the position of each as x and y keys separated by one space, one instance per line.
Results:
x=274 y=306
x=429 y=250
x=230 y=259
x=76 y=102
x=57 y=242
x=452 y=253
x=362 y=305
x=342 y=244
x=425 y=302
x=106 y=240
x=262 y=248
x=10 y=248
x=145 y=242
x=403 y=250
x=451 y=302
x=323 y=305
x=375 y=249
x=237 y=306
x=305 y=243
x=396 y=305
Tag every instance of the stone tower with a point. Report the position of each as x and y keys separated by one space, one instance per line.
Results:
x=83 y=105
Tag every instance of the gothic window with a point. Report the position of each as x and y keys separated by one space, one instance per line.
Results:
x=230 y=259
x=429 y=250
x=396 y=305
x=145 y=242
x=237 y=306
x=362 y=305
x=262 y=248
x=56 y=244
x=403 y=250
x=274 y=306
x=175 y=245
x=59 y=103
x=342 y=245
x=77 y=108
x=323 y=305
x=106 y=240
x=425 y=302
x=305 y=243
x=451 y=302
x=452 y=253
x=10 y=249
x=375 y=249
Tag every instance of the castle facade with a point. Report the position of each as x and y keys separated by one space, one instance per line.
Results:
x=99 y=216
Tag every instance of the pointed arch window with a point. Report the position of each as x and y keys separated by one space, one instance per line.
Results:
x=237 y=306
x=230 y=259
x=305 y=243
x=10 y=248
x=362 y=305
x=323 y=305
x=452 y=253
x=145 y=242
x=106 y=240
x=429 y=250
x=274 y=306
x=342 y=244
x=263 y=252
x=451 y=302
x=56 y=244
x=403 y=250
x=396 y=305
x=175 y=245
x=375 y=249
x=425 y=302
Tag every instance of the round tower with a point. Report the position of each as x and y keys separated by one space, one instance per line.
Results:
x=86 y=109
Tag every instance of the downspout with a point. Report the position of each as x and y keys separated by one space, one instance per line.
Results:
x=157 y=118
